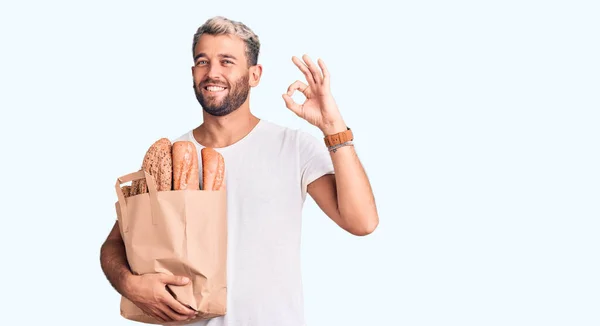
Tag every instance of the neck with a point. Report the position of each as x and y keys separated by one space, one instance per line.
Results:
x=223 y=131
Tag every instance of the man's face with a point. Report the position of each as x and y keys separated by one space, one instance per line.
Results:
x=221 y=73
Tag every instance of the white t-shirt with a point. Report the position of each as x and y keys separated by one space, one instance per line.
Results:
x=267 y=173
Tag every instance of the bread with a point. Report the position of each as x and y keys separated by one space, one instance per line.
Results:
x=126 y=191
x=158 y=163
x=213 y=169
x=176 y=167
x=185 y=166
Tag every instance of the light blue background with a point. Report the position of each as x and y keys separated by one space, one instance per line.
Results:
x=477 y=122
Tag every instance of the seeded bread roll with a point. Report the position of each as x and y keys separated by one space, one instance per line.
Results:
x=185 y=166
x=213 y=169
x=159 y=164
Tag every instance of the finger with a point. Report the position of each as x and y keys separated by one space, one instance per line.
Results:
x=174 y=279
x=309 y=77
x=163 y=316
x=293 y=106
x=172 y=315
x=314 y=70
x=178 y=307
x=300 y=86
x=158 y=315
x=325 y=71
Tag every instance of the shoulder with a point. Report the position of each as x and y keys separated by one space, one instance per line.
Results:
x=275 y=133
x=270 y=127
x=185 y=136
x=300 y=136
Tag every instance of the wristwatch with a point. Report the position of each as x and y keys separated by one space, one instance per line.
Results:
x=339 y=138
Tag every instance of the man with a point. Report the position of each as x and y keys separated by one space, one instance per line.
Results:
x=269 y=171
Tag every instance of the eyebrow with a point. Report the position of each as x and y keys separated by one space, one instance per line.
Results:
x=222 y=55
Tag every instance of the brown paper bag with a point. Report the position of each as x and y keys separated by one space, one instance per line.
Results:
x=178 y=232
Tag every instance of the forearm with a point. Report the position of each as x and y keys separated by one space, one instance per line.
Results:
x=356 y=203
x=113 y=261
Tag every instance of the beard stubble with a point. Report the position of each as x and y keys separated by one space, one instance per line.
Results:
x=235 y=97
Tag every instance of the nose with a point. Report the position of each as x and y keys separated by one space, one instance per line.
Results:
x=214 y=71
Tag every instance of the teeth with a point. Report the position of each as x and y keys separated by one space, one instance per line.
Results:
x=215 y=88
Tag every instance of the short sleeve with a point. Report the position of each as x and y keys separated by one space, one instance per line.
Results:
x=314 y=158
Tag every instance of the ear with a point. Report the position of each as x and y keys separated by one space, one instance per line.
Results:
x=255 y=74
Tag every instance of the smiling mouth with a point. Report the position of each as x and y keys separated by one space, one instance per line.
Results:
x=215 y=88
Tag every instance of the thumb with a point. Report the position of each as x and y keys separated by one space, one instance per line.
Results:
x=293 y=106
x=174 y=279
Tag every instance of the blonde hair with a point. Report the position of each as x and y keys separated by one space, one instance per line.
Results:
x=222 y=26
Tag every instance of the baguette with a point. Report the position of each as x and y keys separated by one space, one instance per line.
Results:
x=185 y=166
x=158 y=163
x=213 y=169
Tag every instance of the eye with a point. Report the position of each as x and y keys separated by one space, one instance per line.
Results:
x=201 y=62
x=229 y=62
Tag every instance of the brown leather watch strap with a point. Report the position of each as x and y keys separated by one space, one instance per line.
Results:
x=339 y=138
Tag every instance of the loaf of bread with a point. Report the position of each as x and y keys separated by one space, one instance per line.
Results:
x=185 y=166
x=213 y=169
x=158 y=163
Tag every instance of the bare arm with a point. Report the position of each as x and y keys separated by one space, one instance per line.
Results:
x=113 y=261
x=147 y=291
x=347 y=197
